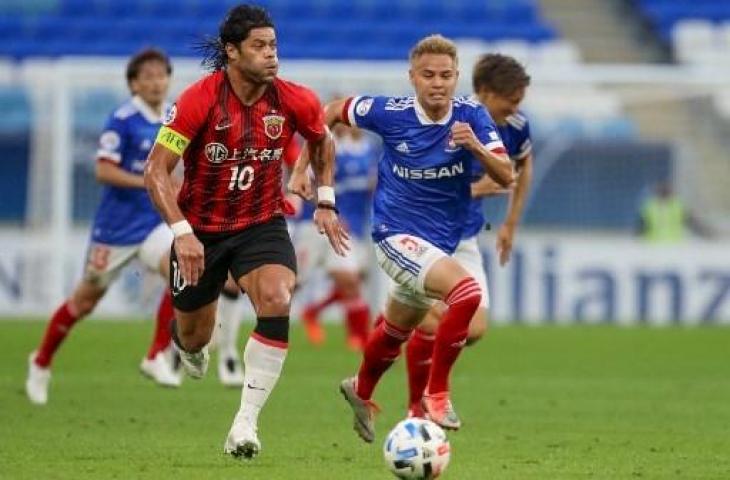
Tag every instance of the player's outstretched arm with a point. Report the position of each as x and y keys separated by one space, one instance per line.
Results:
x=333 y=112
x=497 y=165
x=162 y=190
x=518 y=198
x=322 y=158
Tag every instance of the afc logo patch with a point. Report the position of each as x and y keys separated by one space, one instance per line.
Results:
x=273 y=126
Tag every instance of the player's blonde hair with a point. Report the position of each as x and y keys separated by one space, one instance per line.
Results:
x=435 y=44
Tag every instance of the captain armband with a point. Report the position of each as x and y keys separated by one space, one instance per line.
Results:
x=172 y=140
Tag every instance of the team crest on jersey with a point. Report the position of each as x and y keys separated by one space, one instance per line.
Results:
x=110 y=140
x=216 y=152
x=363 y=107
x=451 y=145
x=273 y=126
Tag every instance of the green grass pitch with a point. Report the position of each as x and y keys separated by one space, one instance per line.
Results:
x=537 y=403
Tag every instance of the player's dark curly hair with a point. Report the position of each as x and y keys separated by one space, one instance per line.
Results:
x=239 y=21
x=147 y=55
x=500 y=74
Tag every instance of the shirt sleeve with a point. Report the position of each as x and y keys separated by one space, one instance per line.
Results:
x=309 y=115
x=525 y=143
x=486 y=131
x=365 y=112
x=184 y=120
x=112 y=140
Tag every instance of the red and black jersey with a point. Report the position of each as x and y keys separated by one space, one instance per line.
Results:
x=233 y=153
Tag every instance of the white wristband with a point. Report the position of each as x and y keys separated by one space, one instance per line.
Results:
x=326 y=194
x=181 y=228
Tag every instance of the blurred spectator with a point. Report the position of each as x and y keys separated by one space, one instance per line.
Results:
x=664 y=218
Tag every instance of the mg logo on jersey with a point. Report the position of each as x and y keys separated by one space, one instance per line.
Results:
x=273 y=126
x=216 y=152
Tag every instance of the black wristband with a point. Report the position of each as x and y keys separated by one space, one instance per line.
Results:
x=328 y=206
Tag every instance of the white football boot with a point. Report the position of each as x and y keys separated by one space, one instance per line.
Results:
x=230 y=372
x=242 y=441
x=195 y=364
x=36 y=385
x=159 y=370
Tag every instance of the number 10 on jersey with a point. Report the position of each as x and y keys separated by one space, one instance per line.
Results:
x=241 y=177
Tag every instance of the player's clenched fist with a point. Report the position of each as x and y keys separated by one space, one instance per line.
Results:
x=190 y=258
x=463 y=135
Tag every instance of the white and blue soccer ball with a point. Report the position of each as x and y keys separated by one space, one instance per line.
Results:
x=416 y=449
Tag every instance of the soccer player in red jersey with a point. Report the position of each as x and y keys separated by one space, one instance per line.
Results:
x=231 y=129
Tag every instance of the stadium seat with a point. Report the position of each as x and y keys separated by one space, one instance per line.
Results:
x=693 y=39
x=176 y=25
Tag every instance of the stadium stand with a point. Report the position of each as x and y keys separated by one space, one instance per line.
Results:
x=333 y=29
x=697 y=31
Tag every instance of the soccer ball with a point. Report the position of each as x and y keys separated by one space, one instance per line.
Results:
x=416 y=449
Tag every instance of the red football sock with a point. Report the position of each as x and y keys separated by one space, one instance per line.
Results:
x=418 y=362
x=357 y=319
x=316 y=307
x=61 y=322
x=461 y=304
x=163 y=325
x=382 y=349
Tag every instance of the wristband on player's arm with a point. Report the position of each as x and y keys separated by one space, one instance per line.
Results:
x=181 y=228
x=325 y=194
x=328 y=206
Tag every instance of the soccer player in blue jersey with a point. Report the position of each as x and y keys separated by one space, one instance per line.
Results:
x=357 y=155
x=500 y=84
x=126 y=224
x=421 y=204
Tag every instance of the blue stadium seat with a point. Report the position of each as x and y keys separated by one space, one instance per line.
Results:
x=372 y=29
x=16 y=110
x=664 y=14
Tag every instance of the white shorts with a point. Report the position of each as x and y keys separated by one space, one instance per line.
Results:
x=406 y=260
x=105 y=262
x=470 y=257
x=313 y=250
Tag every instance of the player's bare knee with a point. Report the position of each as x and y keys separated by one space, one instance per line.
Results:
x=477 y=327
x=349 y=290
x=430 y=322
x=347 y=284
x=274 y=301
x=474 y=335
